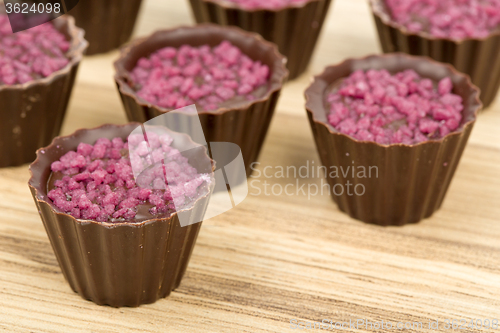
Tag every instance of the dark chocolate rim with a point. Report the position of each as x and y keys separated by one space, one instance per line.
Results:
x=277 y=79
x=229 y=5
x=39 y=197
x=74 y=54
x=378 y=9
x=314 y=90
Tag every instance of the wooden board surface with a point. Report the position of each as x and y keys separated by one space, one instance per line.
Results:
x=276 y=258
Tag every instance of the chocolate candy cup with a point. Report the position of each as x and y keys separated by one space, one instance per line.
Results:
x=411 y=180
x=245 y=125
x=294 y=29
x=121 y=263
x=479 y=58
x=108 y=24
x=33 y=112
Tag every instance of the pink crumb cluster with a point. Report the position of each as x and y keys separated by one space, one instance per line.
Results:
x=266 y=4
x=388 y=109
x=174 y=78
x=454 y=19
x=98 y=180
x=31 y=54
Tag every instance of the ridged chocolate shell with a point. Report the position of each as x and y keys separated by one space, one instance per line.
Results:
x=108 y=24
x=245 y=125
x=32 y=113
x=411 y=180
x=479 y=58
x=117 y=264
x=295 y=29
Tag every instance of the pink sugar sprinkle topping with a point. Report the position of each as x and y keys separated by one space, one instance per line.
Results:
x=173 y=78
x=31 y=54
x=454 y=19
x=97 y=181
x=401 y=108
x=266 y=4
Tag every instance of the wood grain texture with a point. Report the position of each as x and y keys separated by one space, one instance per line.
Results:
x=274 y=258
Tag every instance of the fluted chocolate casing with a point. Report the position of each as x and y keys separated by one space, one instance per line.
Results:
x=479 y=58
x=402 y=183
x=294 y=29
x=32 y=113
x=116 y=264
x=247 y=129
x=245 y=125
x=108 y=24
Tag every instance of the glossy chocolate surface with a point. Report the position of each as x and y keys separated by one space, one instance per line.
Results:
x=295 y=29
x=246 y=124
x=32 y=113
x=108 y=24
x=411 y=180
x=117 y=264
x=477 y=58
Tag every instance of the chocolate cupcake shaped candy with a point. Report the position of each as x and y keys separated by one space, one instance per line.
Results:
x=465 y=34
x=395 y=126
x=293 y=25
x=108 y=24
x=233 y=77
x=37 y=71
x=120 y=209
